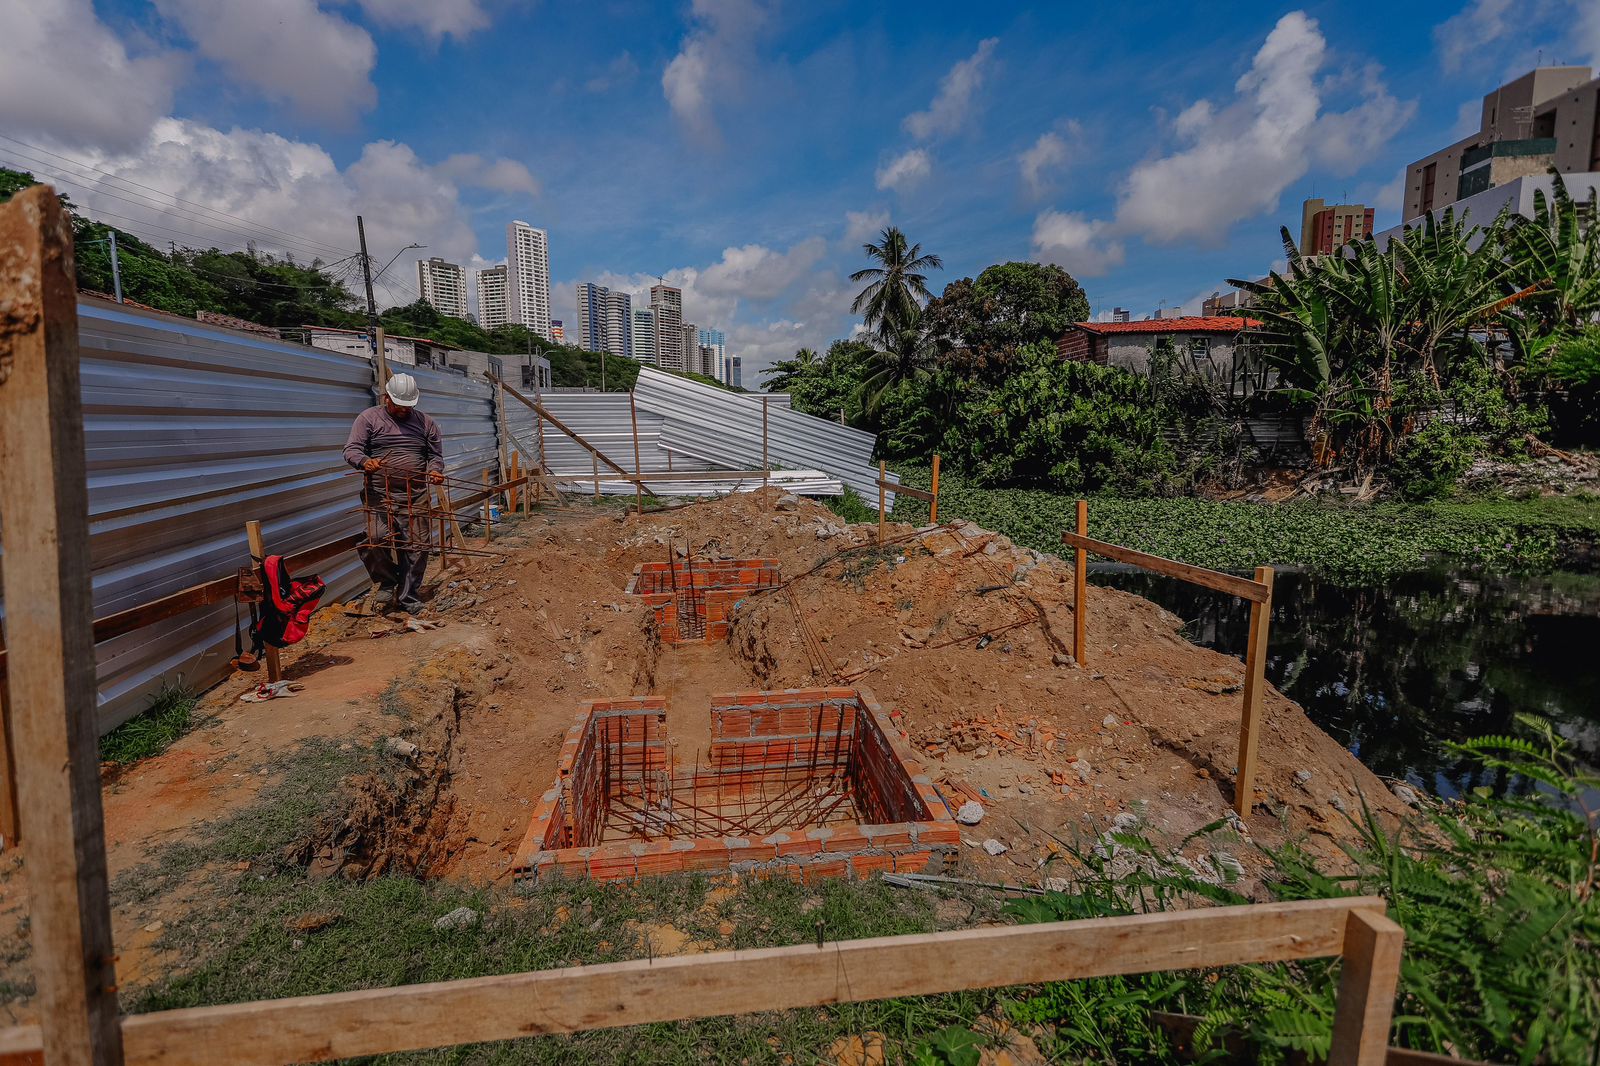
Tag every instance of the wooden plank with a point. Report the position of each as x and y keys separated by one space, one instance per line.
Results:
x=1367 y=979
x=385 y=1020
x=1080 y=589
x=766 y=464
x=1255 y=666
x=933 y=509
x=258 y=552
x=50 y=631
x=539 y=409
x=907 y=490
x=488 y=494
x=1242 y=587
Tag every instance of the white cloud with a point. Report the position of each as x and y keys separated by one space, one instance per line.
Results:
x=66 y=77
x=436 y=18
x=1049 y=153
x=290 y=186
x=290 y=50
x=953 y=105
x=905 y=171
x=1462 y=36
x=860 y=225
x=710 y=59
x=756 y=272
x=1240 y=158
x=1081 y=246
x=501 y=175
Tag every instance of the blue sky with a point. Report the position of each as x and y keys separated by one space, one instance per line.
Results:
x=745 y=149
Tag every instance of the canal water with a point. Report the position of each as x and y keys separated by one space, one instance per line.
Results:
x=1395 y=671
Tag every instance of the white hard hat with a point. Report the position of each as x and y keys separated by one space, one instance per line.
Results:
x=402 y=390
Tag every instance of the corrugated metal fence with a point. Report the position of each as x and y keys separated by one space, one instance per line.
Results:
x=192 y=430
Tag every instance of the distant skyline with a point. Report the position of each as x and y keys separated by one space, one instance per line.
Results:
x=744 y=150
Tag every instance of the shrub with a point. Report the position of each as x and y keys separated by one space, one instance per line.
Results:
x=1428 y=463
x=1069 y=426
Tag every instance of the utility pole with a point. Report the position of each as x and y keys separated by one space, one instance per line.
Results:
x=375 y=330
x=116 y=267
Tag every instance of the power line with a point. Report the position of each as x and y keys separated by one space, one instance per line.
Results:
x=309 y=242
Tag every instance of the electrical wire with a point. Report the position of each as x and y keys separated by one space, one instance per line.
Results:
x=218 y=212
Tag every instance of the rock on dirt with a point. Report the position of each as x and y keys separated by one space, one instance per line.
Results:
x=401 y=747
x=460 y=918
x=1405 y=794
x=971 y=813
x=994 y=847
x=788 y=502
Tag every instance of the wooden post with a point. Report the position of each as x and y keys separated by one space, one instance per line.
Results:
x=766 y=467
x=1080 y=583
x=50 y=629
x=381 y=361
x=594 y=460
x=1255 y=667
x=450 y=512
x=252 y=532
x=933 y=507
x=638 y=471
x=1367 y=979
x=488 y=522
x=883 y=475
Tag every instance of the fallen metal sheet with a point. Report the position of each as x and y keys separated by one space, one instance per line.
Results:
x=725 y=429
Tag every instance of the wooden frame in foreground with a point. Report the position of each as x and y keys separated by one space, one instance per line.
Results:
x=46 y=571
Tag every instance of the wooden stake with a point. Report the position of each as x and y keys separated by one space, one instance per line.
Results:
x=594 y=461
x=638 y=471
x=766 y=467
x=50 y=620
x=488 y=523
x=883 y=475
x=1080 y=597
x=933 y=508
x=252 y=532
x=1255 y=666
x=1367 y=979
x=450 y=511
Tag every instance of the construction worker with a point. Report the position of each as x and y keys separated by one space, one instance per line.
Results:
x=400 y=451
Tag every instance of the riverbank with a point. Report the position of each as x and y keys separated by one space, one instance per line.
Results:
x=1353 y=542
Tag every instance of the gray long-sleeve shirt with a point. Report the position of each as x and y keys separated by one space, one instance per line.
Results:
x=411 y=445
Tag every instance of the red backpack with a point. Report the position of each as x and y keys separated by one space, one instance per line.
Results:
x=282 y=614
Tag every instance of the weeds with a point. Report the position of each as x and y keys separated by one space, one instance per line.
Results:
x=154 y=729
x=851 y=507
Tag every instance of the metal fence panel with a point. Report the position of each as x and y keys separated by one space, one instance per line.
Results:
x=190 y=431
x=464 y=409
x=725 y=429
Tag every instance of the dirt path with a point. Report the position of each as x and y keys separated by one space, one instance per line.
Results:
x=693 y=673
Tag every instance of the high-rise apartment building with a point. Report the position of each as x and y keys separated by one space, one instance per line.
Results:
x=666 y=308
x=691 y=348
x=736 y=372
x=605 y=319
x=644 y=335
x=444 y=285
x=1549 y=117
x=528 y=277
x=1324 y=228
x=1120 y=314
x=717 y=341
x=494 y=309
x=558 y=332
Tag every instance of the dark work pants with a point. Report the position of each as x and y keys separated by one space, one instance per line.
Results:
x=398 y=556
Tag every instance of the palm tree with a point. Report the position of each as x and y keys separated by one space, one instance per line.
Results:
x=896 y=287
x=900 y=356
x=1559 y=252
x=785 y=372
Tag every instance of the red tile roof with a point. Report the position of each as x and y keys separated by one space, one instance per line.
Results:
x=1186 y=324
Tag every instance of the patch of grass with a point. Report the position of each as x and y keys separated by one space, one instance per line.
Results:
x=392 y=700
x=851 y=507
x=153 y=730
x=1344 y=542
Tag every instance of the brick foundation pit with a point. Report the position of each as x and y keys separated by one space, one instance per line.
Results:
x=692 y=600
x=806 y=783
